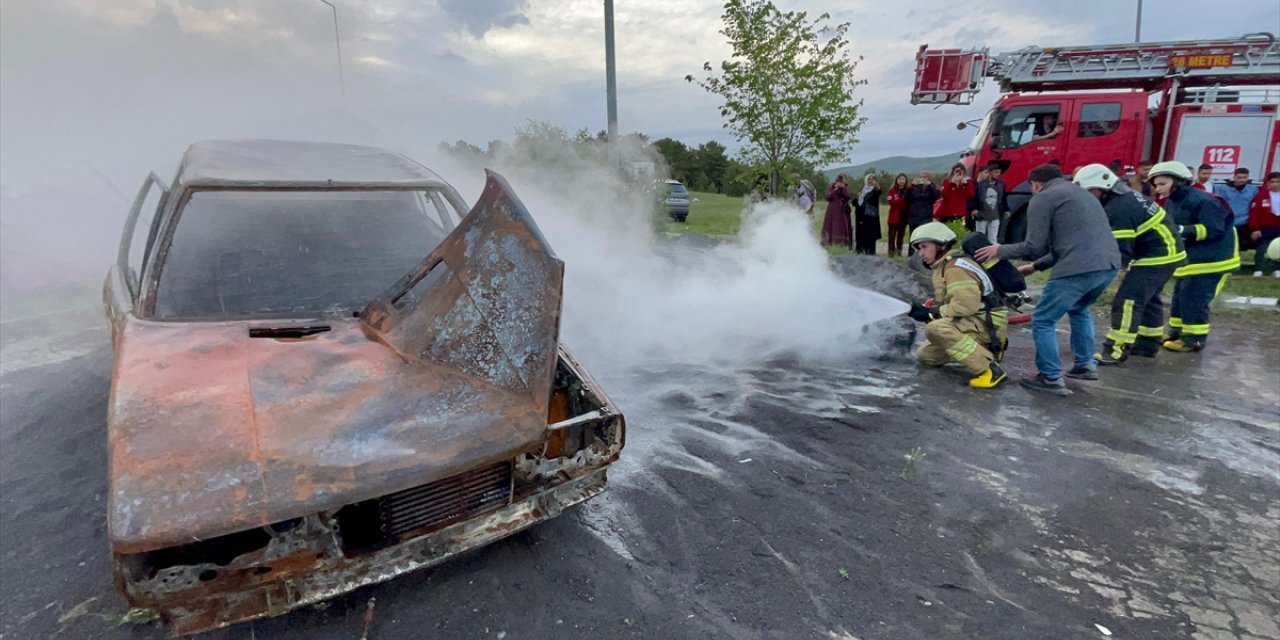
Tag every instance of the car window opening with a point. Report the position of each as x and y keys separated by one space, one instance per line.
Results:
x=292 y=254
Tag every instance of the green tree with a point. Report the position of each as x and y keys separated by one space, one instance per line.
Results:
x=711 y=163
x=787 y=88
x=678 y=157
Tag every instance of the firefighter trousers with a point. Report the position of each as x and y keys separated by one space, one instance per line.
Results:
x=961 y=340
x=1189 y=313
x=1137 y=313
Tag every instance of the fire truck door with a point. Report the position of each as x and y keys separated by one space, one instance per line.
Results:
x=1030 y=135
x=1101 y=134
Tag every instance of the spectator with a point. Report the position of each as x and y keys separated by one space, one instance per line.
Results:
x=836 y=229
x=1047 y=127
x=897 y=223
x=920 y=200
x=957 y=191
x=1239 y=195
x=1067 y=230
x=1117 y=167
x=991 y=204
x=971 y=218
x=866 y=219
x=1138 y=181
x=1264 y=225
x=759 y=190
x=1204 y=178
x=805 y=194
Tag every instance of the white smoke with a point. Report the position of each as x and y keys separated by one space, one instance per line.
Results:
x=635 y=297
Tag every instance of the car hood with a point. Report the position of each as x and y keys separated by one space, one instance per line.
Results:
x=213 y=430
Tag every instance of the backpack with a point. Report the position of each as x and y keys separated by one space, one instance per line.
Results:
x=999 y=277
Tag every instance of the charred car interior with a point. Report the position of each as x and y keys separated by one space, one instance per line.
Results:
x=330 y=372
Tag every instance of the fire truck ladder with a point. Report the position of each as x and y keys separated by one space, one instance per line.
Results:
x=952 y=76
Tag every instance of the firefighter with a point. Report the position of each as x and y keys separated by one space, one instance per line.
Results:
x=1150 y=251
x=1212 y=252
x=967 y=322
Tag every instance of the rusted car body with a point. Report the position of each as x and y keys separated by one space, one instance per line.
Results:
x=326 y=376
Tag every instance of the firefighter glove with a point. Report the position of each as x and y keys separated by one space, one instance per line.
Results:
x=921 y=313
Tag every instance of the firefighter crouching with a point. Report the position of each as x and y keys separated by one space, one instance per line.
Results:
x=963 y=325
x=1206 y=227
x=1150 y=250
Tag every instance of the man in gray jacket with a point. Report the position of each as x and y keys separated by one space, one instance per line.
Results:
x=1068 y=230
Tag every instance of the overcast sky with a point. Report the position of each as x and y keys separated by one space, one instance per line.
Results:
x=112 y=82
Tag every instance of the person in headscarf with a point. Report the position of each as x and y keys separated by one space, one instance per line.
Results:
x=866 y=219
x=836 y=227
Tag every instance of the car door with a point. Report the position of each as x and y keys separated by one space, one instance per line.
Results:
x=123 y=284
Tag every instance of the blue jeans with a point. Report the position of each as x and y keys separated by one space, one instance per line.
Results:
x=1071 y=296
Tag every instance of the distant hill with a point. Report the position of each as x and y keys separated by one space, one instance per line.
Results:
x=898 y=164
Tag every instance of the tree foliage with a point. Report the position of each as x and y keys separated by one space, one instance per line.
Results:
x=787 y=88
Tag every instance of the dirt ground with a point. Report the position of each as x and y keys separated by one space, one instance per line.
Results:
x=776 y=502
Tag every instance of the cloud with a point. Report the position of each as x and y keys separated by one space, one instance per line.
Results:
x=375 y=61
x=479 y=16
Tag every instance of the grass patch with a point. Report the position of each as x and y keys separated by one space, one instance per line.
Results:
x=713 y=214
x=1266 y=286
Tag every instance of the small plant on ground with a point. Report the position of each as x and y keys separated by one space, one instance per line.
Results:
x=913 y=460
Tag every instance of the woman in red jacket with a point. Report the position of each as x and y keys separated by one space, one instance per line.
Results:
x=957 y=191
x=1264 y=225
x=898 y=213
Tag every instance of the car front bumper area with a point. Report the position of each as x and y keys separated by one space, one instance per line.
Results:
x=195 y=610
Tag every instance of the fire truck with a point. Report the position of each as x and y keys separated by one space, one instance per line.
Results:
x=1198 y=102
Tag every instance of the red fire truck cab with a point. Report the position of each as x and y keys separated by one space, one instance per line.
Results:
x=1196 y=102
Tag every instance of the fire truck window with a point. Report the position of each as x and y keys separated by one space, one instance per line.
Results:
x=1099 y=119
x=1019 y=125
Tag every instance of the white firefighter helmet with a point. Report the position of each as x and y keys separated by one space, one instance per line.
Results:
x=1171 y=168
x=933 y=231
x=1095 y=176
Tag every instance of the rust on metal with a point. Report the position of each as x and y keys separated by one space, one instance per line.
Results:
x=254 y=465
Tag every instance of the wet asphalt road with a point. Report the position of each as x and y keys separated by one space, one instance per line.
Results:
x=779 y=504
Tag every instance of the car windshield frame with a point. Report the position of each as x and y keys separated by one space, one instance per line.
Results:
x=442 y=198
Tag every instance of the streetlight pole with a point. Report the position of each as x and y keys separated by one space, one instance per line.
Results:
x=1137 y=28
x=611 y=83
x=337 y=42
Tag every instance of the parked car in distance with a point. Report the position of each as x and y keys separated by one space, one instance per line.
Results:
x=329 y=373
x=675 y=200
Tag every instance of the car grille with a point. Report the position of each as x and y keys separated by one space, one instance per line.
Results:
x=376 y=523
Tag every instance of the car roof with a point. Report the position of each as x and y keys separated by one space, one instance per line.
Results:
x=295 y=164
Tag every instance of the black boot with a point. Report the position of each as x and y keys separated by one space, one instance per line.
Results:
x=1112 y=354
x=1145 y=347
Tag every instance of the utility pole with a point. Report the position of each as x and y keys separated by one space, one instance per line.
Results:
x=611 y=83
x=1137 y=28
x=337 y=42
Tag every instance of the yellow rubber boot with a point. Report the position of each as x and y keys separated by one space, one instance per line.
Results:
x=1182 y=346
x=990 y=378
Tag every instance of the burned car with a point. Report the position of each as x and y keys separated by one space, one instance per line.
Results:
x=328 y=372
